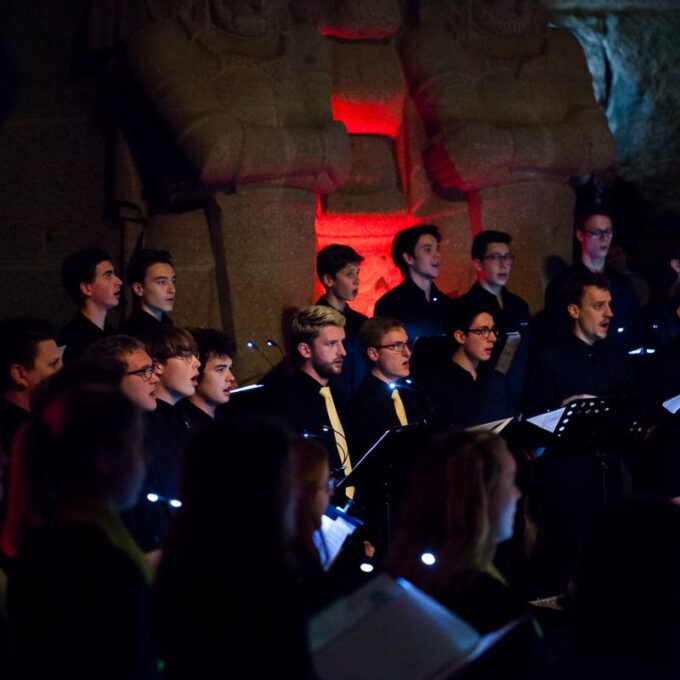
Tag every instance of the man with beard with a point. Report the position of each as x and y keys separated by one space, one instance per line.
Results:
x=306 y=399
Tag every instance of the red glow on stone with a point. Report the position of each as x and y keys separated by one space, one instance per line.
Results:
x=371 y=236
x=370 y=117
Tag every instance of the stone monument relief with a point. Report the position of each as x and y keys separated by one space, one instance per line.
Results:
x=510 y=112
x=246 y=95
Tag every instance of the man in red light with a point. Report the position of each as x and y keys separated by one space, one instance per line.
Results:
x=417 y=302
x=338 y=269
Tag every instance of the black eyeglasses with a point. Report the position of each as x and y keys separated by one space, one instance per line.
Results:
x=399 y=347
x=484 y=331
x=600 y=233
x=146 y=372
x=497 y=258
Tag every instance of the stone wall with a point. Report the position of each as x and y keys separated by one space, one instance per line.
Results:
x=634 y=56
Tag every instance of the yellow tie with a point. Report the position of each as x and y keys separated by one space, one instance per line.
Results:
x=339 y=434
x=399 y=407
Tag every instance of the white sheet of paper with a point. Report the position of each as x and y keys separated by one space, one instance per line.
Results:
x=547 y=421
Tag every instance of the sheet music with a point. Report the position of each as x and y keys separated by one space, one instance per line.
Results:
x=672 y=404
x=495 y=426
x=397 y=632
x=508 y=354
x=547 y=421
x=334 y=532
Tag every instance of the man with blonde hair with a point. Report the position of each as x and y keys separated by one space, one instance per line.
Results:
x=306 y=398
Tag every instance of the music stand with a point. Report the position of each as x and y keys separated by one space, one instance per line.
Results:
x=602 y=427
x=382 y=475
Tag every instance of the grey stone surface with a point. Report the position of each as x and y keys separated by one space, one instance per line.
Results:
x=634 y=57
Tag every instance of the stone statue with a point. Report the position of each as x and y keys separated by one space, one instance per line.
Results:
x=510 y=112
x=246 y=96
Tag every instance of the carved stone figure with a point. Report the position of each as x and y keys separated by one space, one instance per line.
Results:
x=246 y=96
x=510 y=112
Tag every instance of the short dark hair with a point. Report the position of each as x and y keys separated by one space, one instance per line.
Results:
x=114 y=346
x=331 y=259
x=142 y=259
x=79 y=267
x=212 y=343
x=574 y=287
x=86 y=370
x=405 y=242
x=464 y=312
x=19 y=338
x=483 y=239
x=167 y=341
x=584 y=212
x=72 y=435
x=374 y=330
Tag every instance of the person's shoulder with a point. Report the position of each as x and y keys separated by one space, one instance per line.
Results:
x=68 y=331
x=369 y=388
x=390 y=298
x=516 y=300
x=353 y=316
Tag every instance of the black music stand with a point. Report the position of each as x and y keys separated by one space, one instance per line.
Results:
x=382 y=477
x=604 y=427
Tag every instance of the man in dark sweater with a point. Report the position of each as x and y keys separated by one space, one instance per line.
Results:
x=338 y=269
x=594 y=232
x=152 y=280
x=28 y=355
x=307 y=400
x=493 y=261
x=384 y=398
x=165 y=432
x=583 y=363
x=90 y=280
x=417 y=302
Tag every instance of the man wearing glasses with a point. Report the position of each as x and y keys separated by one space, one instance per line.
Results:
x=467 y=391
x=594 y=232
x=492 y=259
x=384 y=399
x=165 y=432
x=140 y=379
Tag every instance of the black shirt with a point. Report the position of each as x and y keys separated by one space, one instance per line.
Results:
x=78 y=335
x=305 y=410
x=373 y=410
x=141 y=323
x=408 y=303
x=354 y=367
x=165 y=433
x=194 y=416
x=570 y=366
x=458 y=399
x=660 y=372
x=512 y=317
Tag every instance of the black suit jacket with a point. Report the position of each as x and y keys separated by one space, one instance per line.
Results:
x=301 y=405
x=373 y=410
